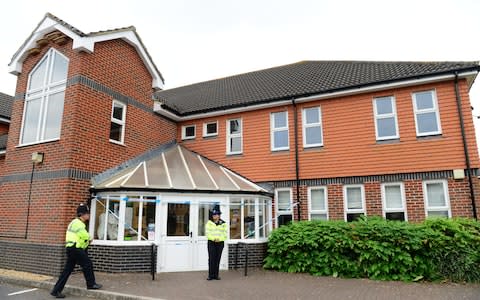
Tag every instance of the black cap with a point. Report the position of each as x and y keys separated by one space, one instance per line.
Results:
x=216 y=212
x=82 y=209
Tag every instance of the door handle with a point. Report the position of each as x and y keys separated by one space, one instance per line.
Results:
x=191 y=234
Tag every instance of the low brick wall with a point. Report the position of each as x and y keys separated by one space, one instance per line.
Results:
x=120 y=259
x=30 y=257
x=256 y=254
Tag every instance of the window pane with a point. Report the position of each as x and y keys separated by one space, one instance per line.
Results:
x=203 y=217
x=178 y=220
x=435 y=195
x=148 y=221
x=393 y=197
x=354 y=198
x=234 y=126
x=280 y=139
x=117 y=111
x=112 y=221
x=115 y=132
x=353 y=217
x=37 y=77
x=312 y=115
x=236 y=144
x=280 y=119
x=284 y=201
x=189 y=131
x=384 y=105
x=30 y=125
x=313 y=135
x=249 y=218
x=132 y=211
x=424 y=100
x=427 y=122
x=438 y=214
x=235 y=219
x=318 y=217
x=262 y=218
x=211 y=128
x=386 y=127
x=399 y=216
x=60 y=68
x=284 y=220
x=100 y=209
x=53 y=123
x=318 y=199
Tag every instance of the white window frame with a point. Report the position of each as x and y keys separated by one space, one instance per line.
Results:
x=435 y=109
x=205 y=134
x=43 y=94
x=436 y=208
x=384 y=200
x=281 y=213
x=308 y=125
x=184 y=132
x=122 y=122
x=346 y=210
x=378 y=117
x=317 y=211
x=234 y=135
x=273 y=129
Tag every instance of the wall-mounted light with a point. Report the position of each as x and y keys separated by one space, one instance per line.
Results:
x=37 y=157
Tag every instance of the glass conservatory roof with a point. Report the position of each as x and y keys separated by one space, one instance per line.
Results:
x=176 y=168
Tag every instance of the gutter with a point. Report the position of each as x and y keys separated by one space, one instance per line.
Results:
x=297 y=166
x=465 y=147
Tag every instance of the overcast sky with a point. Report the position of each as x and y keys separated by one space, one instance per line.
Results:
x=193 y=41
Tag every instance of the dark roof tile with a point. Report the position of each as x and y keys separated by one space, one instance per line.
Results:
x=297 y=80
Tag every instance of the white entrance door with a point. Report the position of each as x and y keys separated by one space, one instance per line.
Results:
x=184 y=244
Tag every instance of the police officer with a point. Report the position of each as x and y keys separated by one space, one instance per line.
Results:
x=77 y=239
x=216 y=230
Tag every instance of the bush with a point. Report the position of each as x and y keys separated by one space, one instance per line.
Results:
x=379 y=249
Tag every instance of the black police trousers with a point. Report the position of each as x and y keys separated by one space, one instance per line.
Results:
x=75 y=256
x=214 y=254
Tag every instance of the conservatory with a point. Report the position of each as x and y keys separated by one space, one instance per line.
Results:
x=164 y=198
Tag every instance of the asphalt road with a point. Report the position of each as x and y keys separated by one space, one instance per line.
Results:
x=15 y=292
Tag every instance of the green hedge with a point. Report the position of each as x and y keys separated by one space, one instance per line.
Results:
x=378 y=249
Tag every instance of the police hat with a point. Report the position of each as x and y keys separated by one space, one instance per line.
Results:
x=216 y=212
x=82 y=209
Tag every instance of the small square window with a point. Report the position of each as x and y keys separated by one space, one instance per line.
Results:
x=210 y=129
x=188 y=132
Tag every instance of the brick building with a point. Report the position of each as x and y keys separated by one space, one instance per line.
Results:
x=311 y=140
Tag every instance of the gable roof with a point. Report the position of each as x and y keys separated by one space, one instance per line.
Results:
x=6 y=103
x=302 y=79
x=85 y=42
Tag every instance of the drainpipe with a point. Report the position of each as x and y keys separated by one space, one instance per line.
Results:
x=297 y=168
x=465 y=148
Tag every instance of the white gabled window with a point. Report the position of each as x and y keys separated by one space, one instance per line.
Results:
x=386 y=126
x=393 y=200
x=354 y=202
x=210 y=129
x=117 y=122
x=188 y=132
x=279 y=131
x=284 y=206
x=427 y=116
x=317 y=203
x=234 y=136
x=312 y=127
x=43 y=109
x=437 y=202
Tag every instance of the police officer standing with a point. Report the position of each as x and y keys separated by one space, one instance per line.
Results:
x=77 y=239
x=216 y=230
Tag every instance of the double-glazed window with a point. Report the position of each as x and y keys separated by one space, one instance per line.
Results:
x=249 y=218
x=354 y=201
x=210 y=129
x=234 y=136
x=317 y=203
x=385 y=118
x=437 y=203
x=188 y=132
x=284 y=206
x=312 y=127
x=117 y=122
x=393 y=198
x=279 y=131
x=43 y=110
x=427 y=119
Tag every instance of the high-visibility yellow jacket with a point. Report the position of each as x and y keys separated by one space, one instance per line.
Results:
x=77 y=235
x=216 y=231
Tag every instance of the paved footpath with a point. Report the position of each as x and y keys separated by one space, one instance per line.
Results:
x=259 y=284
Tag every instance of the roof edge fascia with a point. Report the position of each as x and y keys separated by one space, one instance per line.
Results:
x=157 y=107
x=4 y=120
x=86 y=44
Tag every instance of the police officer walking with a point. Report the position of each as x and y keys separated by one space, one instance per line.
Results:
x=77 y=239
x=216 y=230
